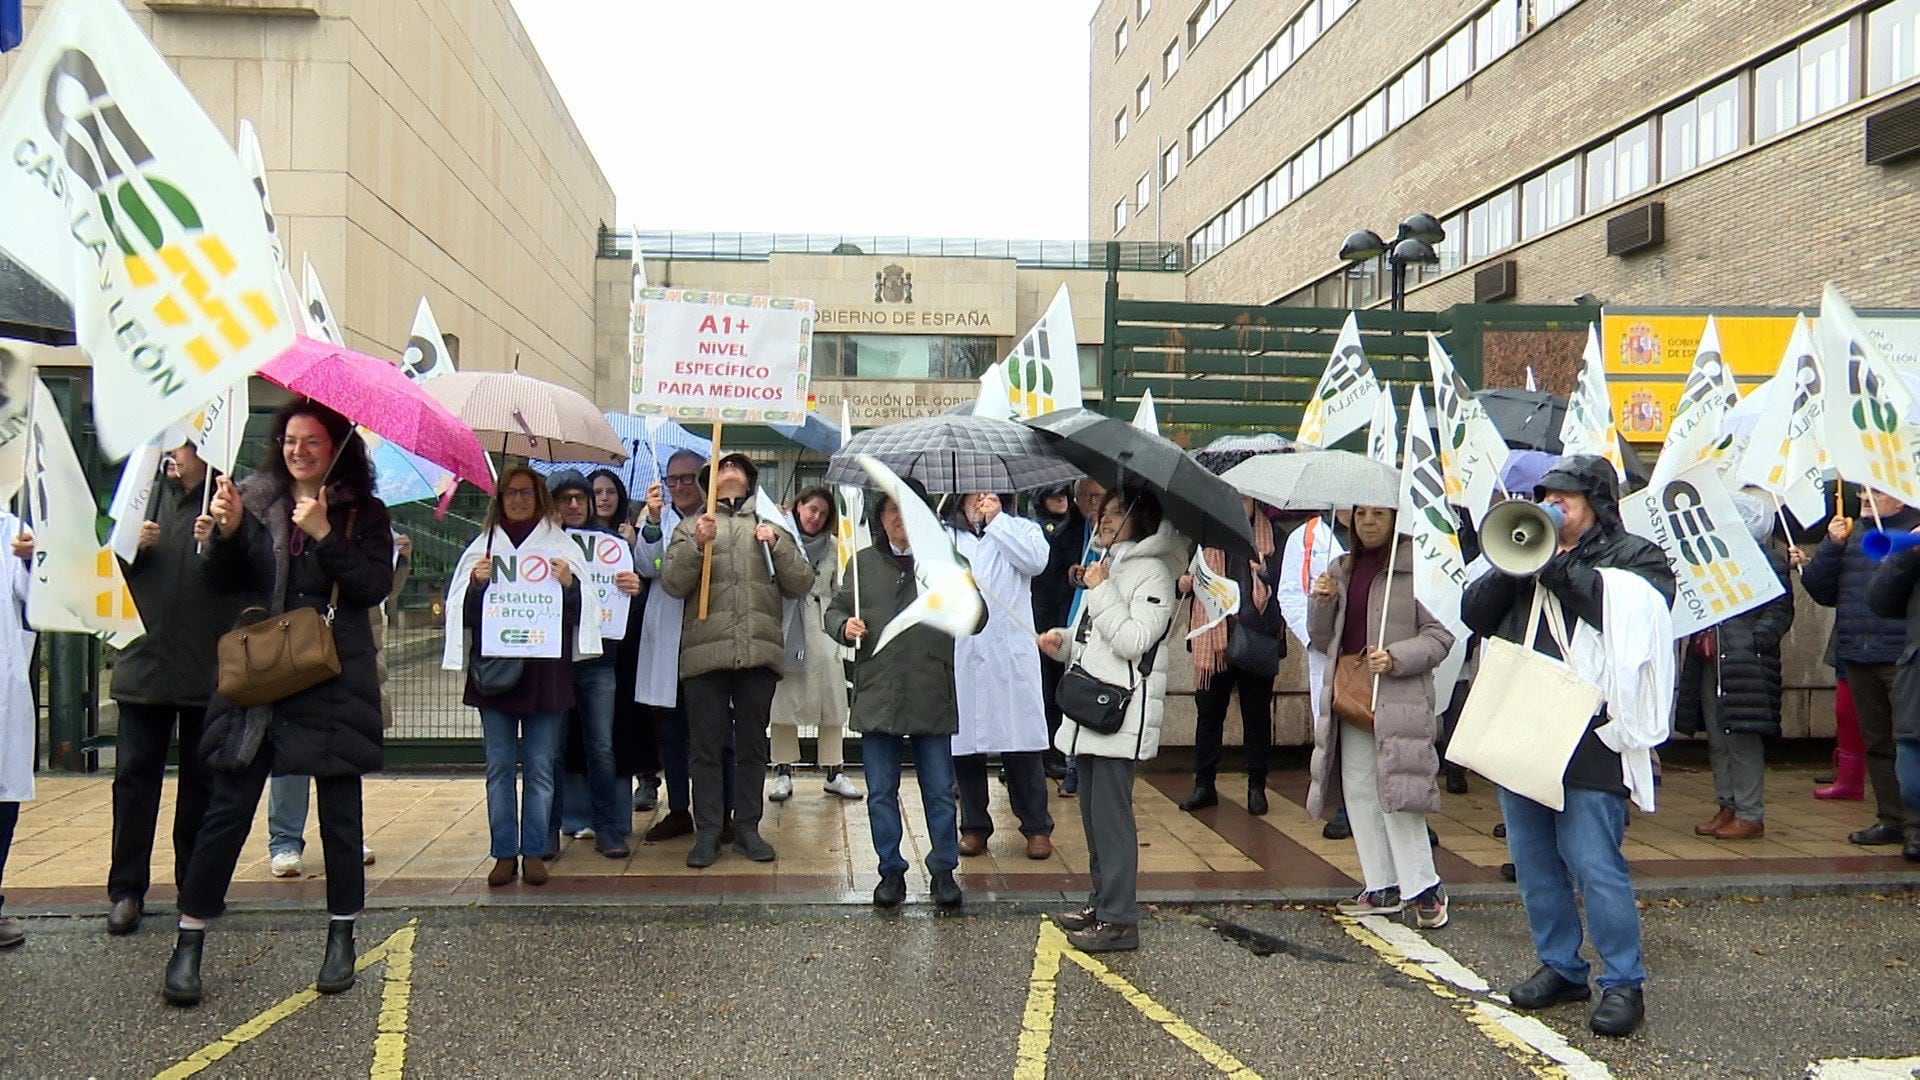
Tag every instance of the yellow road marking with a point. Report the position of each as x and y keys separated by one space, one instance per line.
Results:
x=396 y=999
x=263 y=1023
x=1036 y=1033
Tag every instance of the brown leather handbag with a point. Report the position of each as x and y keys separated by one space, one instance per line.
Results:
x=1353 y=691
x=269 y=657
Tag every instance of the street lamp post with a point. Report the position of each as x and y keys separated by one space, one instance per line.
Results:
x=1413 y=244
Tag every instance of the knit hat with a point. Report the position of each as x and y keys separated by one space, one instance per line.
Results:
x=568 y=480
x=736 y=458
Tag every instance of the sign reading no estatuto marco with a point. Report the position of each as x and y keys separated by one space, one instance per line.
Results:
x=720 y=356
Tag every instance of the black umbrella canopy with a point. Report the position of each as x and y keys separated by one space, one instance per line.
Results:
x=952 y=454
x=29 y=310
x=1227 y=451
x=1531 y=419
x=1197 y=503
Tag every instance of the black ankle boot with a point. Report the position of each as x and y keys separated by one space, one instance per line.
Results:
x=1257 y=795
x=1202 y=796
x=183 y=971
x=336 y=970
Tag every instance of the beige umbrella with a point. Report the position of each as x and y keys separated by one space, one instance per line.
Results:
x=517 y=414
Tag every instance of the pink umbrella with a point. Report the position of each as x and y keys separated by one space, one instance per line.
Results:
x=376 y=395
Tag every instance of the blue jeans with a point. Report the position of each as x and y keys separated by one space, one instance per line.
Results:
x=1907 y=766
x=933 y=757
x=597 y=798
x=287 y=814
x=530 y=741
x=1551 y=853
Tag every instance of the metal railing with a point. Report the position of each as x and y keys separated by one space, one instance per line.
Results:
x=758 y=247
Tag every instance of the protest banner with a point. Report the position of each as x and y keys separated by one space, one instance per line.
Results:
x=603 y=557
x=1872 y=418
x=1472 y=451
x=1588 y=427
x=1785 y=454
x=523 y=608
x=1693 y=435
x=1042 y=373
x=1718 y=568
x=1383 y=436
x=1439 y=569
x=1343 y=401
x=76 y=585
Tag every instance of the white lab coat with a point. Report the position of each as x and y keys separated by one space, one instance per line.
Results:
x=997 y=671
x=1633 y=664
x=1296 y=580
x=16 y=650
x=657 y=682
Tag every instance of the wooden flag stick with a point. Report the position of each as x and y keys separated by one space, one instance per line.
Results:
x=713 y=505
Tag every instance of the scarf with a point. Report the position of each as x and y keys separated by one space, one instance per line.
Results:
x=1210 y=648
x=544 y=537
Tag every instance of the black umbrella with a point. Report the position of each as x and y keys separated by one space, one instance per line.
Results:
x=954 y=454
x=1227 y=451
x=1197 y=503
x=1531 y=419
x=29 y=310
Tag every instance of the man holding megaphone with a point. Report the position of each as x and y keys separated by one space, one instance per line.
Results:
x=1573 y=546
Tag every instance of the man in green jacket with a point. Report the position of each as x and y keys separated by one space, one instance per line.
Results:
x=730 y=661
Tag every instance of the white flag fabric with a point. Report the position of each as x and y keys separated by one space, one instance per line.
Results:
x=219 y=429
x=76 y=585
x=948 y=601
x=1588 y=427
x=321 y=325
x=1719 y=569
x=1145 y=416
x=1343 y=402
x=1439 y=571
x=1472 y=451
x=255 y=164
x=1872 y=418
x=133 y=497
x=1531 y=385
x=850 y=534
x=1043 y=370
x=122 y=196
x=16 y=389
x=1784 y=454
x=1219 y=595
x=992 y=401
x=426 y=356
x=1383 y=435
x=1694 y=435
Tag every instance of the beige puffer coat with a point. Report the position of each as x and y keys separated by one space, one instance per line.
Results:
x=744 y=627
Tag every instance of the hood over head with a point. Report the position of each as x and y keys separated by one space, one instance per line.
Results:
x=1590 y=475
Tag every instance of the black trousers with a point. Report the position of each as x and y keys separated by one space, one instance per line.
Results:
x=1050 y=672
x=9 y=820
x=1210 y=721
x=722 y=705
x=140 y=764
x=223 y=833
x=636 y=750
x=1026 y=789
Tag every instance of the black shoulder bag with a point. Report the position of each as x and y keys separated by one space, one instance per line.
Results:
x=1095 y=704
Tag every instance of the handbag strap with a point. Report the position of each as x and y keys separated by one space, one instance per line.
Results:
x=1543 y=601
x=333 y=598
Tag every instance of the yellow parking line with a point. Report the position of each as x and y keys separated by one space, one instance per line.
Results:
x=396 y=998
x=1036 y=1028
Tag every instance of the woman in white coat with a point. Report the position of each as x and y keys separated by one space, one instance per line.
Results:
x=16 y=697
x=813 y=692
x=997 y=677
x=1126 y=617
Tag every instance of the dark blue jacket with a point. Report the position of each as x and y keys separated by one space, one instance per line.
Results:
x=1838 y=577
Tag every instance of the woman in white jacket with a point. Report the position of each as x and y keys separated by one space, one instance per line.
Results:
x=1120 y=640
x=16 y=695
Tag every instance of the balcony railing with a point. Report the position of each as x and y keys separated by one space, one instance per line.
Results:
x=758 y=247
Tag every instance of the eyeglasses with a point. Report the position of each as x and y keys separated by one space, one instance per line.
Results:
x=573 y=497
x=310 y=445
x=517 y=493
x=682 y=479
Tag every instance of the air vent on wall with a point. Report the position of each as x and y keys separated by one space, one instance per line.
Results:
x=1638 y=229
x=1893 y=133
x=1497 y=282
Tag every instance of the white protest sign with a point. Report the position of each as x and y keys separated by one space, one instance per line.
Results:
x=720 y=356
x=1718 y=568
x=603 y=556
x=524 y=609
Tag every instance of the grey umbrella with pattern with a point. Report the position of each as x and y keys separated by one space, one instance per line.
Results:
x=950 y=454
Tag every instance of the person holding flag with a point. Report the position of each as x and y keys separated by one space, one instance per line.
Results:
x=814 y=690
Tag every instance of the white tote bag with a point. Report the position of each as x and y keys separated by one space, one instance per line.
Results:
x=1526 y=712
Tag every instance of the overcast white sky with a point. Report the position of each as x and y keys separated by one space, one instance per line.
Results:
x=859 y=116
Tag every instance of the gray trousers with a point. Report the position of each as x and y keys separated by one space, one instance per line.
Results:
x=1113 y=837
x=1872 y=686
x=1739 y=760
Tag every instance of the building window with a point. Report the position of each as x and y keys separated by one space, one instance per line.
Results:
x=1719 y=119
x=1204 y=17
x=1679 y=139
x=1342 y=145
x=1452 y=248
x=1370 y=123
x=1143 y=190
x=1826 y=72
x=1119 y=125
x=1495 y=32
x=1279 y=190
x=1235 y=99
x=1143 y=95
x=1279 y=56
x=1310 y=27
x=1436 y=63
x=1633 y=161
x=1408 y=96
x=1776 y=99
x=1891 y=34
x=1170 y=61
x=1145 y=7
x=1599 y=176
x=1545 y=11
x=1170 y=164
x=1120 y=39
x=1119 y=216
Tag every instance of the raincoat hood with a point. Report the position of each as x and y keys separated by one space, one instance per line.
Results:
x=1592 y=476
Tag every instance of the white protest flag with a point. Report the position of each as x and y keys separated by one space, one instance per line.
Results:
x=426 y=356
x=1145 y=416
x=219 y=429
x=133 y=497
x=1472 y=451
x=1218 y=594
x=120 y=194
x=850 y=511
x=1531 y=385
x=1872 y=419
x=1043 y=370
x=1588 y=427
x=770 y=512
x=1439 y=571
x=1694 y=435
x=255 y=163
x=948 y=601
x=76 y=586
x=1785 y=455
x=1383 y=434
x=1343 y=402
x=321 y=325
x=1719 y=570
x=16 y=389
x=992 y=400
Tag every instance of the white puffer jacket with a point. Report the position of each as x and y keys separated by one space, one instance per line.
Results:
x=1130 y=612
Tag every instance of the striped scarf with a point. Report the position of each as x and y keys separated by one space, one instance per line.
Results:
x=1210 y=648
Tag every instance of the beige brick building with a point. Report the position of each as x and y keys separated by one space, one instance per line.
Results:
x=1525 y=126
x=415 y=148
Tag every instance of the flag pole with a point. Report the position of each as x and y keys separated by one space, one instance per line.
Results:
x=713 y=505
x=33 y=444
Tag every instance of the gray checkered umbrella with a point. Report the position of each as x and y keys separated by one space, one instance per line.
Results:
x=952 y=454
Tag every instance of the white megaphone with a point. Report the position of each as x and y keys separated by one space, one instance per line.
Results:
x=1519 y=537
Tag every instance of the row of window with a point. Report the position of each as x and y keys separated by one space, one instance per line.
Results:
x=1294 y=38
x=1818 y=75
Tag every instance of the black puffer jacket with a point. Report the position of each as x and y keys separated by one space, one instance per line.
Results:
x=174 y=662
x=1748 y=667
x=1895 y=588
x=332 y=729
x=1838 y=577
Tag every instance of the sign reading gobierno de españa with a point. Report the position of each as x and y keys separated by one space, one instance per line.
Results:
x=720 y=356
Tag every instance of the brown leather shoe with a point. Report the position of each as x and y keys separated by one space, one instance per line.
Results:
x=675 y=823
x=1741 y=829
x=125 y=917
x=533 y=871
x=1039 y=847
x=502 y=872
x=1712 y=828
x=972 y=844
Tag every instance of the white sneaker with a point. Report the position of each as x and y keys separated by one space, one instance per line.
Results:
x=782 y=789
x=843 y=787
x=286 y=864
x=583 y=834
x=366 y=855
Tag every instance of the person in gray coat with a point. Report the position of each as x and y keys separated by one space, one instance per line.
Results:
x=902 y=696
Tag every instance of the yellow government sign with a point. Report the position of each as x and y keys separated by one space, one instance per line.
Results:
x=1648 y=357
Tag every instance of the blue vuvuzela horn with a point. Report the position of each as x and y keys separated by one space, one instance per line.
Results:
x=1877 y=545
